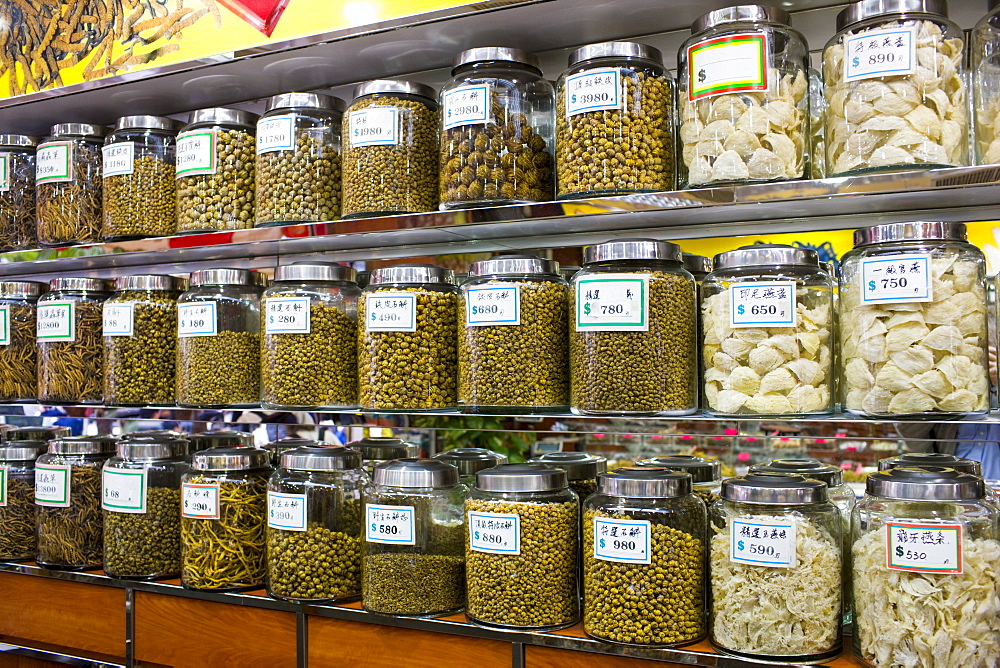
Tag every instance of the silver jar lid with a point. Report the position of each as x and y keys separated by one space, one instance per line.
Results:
x=83 y=445
x=223 y=116
x=918 y=460
x=759 y=255
x=931 y=483
x=21 y=451
x=81 y=284
x=22 y=289
x=223 y=438
x=700 y=468
x=18 y=141
x=306 y=101
x=314 y=271
x=380 y=449
x=148 y=123
x=577 y=465
x=231 y=459
x=149 y=282
x=397 y=86
x=644 y=482
x=632 y=249
x=470 y=461
x=923 y=231
x=321 y=458
x=283 y=445
x=484 y=54
x=527 y=477
x=514 y=264
x=866 y=9
x=741 y=14
x=774 y=489
x=222 y=277
x=77 y=130
x=616 y=50
x=699 y=265
x=37 y=433
x=152 y=447
x=805 y=467
x=413 y=473
x=412 y=273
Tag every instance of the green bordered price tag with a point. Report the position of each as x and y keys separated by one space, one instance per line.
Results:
x=492 y=305
x=730 y=64
x=762 y=542
x=762 y=304
x=392 y=525
x=124 y=491
x=924 y=548
x=286 y=511
x=613 y=303
x=622 y=541
x=200 y=501
x=196 y=153
x=4 y=470
x=391 y=312
x=4 y=172
x=287 y=315
x=54 y=162
x=495 y=533
x=52 y=485
x=56 y=321
x=4 y=325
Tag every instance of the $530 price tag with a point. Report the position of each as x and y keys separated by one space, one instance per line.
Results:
x=924 y=548
x=763 y=542
x=495 y=533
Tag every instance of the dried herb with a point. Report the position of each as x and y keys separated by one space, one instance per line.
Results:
x=145 y=544
x=18 y=380
x=73 y=537
x=69 y=212
x=17 y=519
x=17 y=202
x=73 y=371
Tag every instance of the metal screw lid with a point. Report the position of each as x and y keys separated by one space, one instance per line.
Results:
x=632 y=249
x=306 y=101
x=739 y=14
x=37 y=433
x=224 y=438
x=917 y=460
x=83 y=445
x=21 y=451
x=931 y=483
x=22 y=289
x=399 y=86
x=149 y=282
x=231 y=459
x=484 y=54
x=777 y=489
x=148 y=123
x=412 y=273
x=700 y=468
x=223 y=116
x=78 y=130
x=321 y=458
x=412 y=473
x=577 y=465
x=866 y=9
x=616 y=50
x=152 y=447
x=470 y=461
x=514 y=264
x=807 y=468
x=314 y=271
x=644 y=482
x=222 y=277
x=81 y=284
x=699 y=265
x=147 y=434
x=260 y=279
x=381 y=449
x=282 y=445
x=18 y=141
x=528 y=477
x=767 y=254
x=936 y=231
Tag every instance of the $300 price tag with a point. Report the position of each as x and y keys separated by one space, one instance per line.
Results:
x=896 y=279
x=495 y=533
x=624 y=541
x=613 y=303
x=762 y=542
x=200 y=500
x=762 y=304
x=286 y=511
x=924 y=548
x=389 y=524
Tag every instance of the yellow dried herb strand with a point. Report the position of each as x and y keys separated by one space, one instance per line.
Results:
x=73 y=536
x=73 y=371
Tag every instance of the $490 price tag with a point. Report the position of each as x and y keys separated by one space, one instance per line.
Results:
x=200 y=500
x=286 y=511
x=896 y=279
x=389 y=524
x=495 y=533
x=391 y=312
x=924 y=548
x=762 y=304
x=763 y=542
x=624 y=541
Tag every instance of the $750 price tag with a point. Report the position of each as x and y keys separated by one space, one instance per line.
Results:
x=495 y=533
x=762 y=542
x=896 y=279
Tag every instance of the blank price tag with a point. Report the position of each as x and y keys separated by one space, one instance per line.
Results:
x=495 y=533
x=762 y=543
x=924 y=548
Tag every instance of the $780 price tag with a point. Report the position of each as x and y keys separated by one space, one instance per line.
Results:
x=763 y=542
x=495 y=533
x=613 y=302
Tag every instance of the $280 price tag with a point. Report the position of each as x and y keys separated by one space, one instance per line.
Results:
x=287 y=315
x=762 y=542
x=495 y=533
x=924 y=548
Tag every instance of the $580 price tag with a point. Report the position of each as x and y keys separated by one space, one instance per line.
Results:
x=896 y=279
x=763 y=542
x=495 y=533
x=389 y=524
x=624 y=541
x=924 y=548
x=762 y=304
x=200 y=500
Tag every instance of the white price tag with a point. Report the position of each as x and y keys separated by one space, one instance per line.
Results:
x=287 y=315
x=624 y=541
x=391 y=312
x=613 y=303
x=491 y=304
x=4 y=172
x=762 y=304
x=880 y=53
x=468 y=105
x=195 y=153
x=762 y=542
x=373 y=126
x=118 y=159
x=286 y=511
x=56 y=321
x=54 y=162
x=4 y=469
x=200 y=500
x=594 y=90
x=52 y=485
x=495 y=533
x=729 y=64
x=276 y=134
x=389 y=524
x=118 y=320
x=924 y=548
x=4 y=325
x=896 y=279
x=124 y=491
x=196 y=319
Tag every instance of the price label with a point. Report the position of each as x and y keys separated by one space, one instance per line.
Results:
x=124 y=491
x=613 y=303
x=389 y=524
x=595 y=90
x=3 y=484
x=56 y=321
x=286 y=511
x=624 y=541
x=493 y=305
x=52 y=485
x=117 y=159
x=118 y=320
x=880 y=53
x=896 y=279
x=197 y=319
x=4 y=172
x=727 y=64
x=924 y=548
x=467 y=105
x=495 y=533
x=200 y=501
x=762 y=543
x=762 y=304
x=4 y=325
x=373 y=126
x=54 y=162
x=276 y=134
x=391 y=312
x=287 y=315
x=195 y=153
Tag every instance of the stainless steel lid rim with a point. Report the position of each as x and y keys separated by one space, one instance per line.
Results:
x=22 y=289
x=18 y=141
x=413 y=273
x=317 y=101
x=155 y=282
x=632 y=249
x=152 y=448
x=398 y=86
x=143 y=122
x=83 y=445
x=78 y=284
x=616 y=49
x=921 y=459
x=483 y=54
x=577 y=465
x=84 y=130
x=514 y=264
x=223 y=116
x=808 y=468
x=201 y=277
x=517 y=478
x=412 y=473
x=21 y=451
x=741 y=14
x=470 y=461
x=231 y=459
x=766 y=256
x=864 y=10
x=931 y=483
x=777 y=489
x=321 y=458
x=314 y=271
x=645 y=482
x=702 y=470
x=914 y=231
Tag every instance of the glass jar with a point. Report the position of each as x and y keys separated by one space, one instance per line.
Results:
x=68 y=185
x=925 y=545
x=314 y=526
x=218 y=348
x=776 y=569
x=407 y=353
x=895 y=89
x=277 y=448
x=767 y=314
x=17 y=498
x=913 y=345
x=44 y=434
x=984 y=47
x=742 y=90
x=706 y=474
x=298 y=159
x=140 y=341
x=644 y=536
x=632 y=338
x=497 y=132
x=522 y=547
x=413 y=559
x=310 y=337
x=215 y=171
x=614 y=122
x=582 y=469
x=817 y=129
x=223 y=519
x=17 y=192
x=18 y=351
x=142 y=507
x=470 y=461
x=68 y=495
x=223 y=438
x=140 y=193
x=390 y=149
x=512 y=343
x=69 y=324
x=377 y=449
x=698 y=266
x=920 y=460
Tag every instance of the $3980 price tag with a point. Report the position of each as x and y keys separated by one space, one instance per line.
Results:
x=495 y=533
x=287 y=315
x=200 y=500
x=286 y=511
x=391 y=312
x=196 y=319
x=593 y=90
x=762 y=304
x=896 y=279
x=624 y=541
x=763 y=542
x=924 y=548
x=613 y=303
x=389 y=524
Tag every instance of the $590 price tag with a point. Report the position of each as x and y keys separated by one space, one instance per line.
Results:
x=624 y=541
x=924 y=548
x=389 y=524
x=762 y=304
x=763 y=542
x=495 y=533
x=200 y=500
x=896 y=279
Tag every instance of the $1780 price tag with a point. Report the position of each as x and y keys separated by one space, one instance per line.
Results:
x=762 y=304
x=495 y=533
x=763 y=542
x=924 y=548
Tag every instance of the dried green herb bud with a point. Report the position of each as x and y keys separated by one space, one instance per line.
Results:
x=218 y=370
x=145 y=544
x=18 y=359
x=69 y=212
x=141 y=368
x=143 y=203
x=399 y=583
x=315 y=564
x=223 y=200
x=17 y=203
x=72 y=537
x=302 y=184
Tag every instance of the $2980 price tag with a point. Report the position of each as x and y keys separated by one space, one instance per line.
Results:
x=495 y=533
x=896 y=279
x=286 y=511
x=389 y=524
x=612 y=303
x=200 y=500
x=467 y=105
x=624 y=541
x=762 y=304
x=762 y=542
x=924 y=548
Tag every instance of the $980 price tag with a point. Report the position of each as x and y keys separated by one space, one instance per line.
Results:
x=924 y=548
x=389 y=524
x=200 y=500
x=495 y=533
x=762 y=304
x=624 y=541
x=763 y=542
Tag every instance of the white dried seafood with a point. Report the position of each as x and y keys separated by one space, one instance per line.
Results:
x=895 y=121
x=988 y=131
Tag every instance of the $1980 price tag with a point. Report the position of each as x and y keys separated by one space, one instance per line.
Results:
x=762 y=542
x=896 y=279
x=389 y=524
x=762 y=304
x=495 y=533
x=924 y=548
x=624 y=541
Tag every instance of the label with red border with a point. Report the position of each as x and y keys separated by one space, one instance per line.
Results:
x=924 y=547
x=200 y=500
x=730 y=64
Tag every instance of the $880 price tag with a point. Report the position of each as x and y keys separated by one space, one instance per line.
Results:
x=495 y=533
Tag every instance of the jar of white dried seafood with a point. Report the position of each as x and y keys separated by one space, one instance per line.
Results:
x=742 y=90
x=984 y=45
x=895 y=88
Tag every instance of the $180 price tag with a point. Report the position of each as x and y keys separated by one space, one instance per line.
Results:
x=495 y=533
x=763 y=542
x=623 y=541
x=924 y=548
x=196 y=319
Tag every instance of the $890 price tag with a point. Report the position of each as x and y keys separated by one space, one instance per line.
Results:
x=924 y=548
x=495 y=533
x=879 y=53
x=389 y=524
x=896 y=279
x=762 y=304
x=762 y=542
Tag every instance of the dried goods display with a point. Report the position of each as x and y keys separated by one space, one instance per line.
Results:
x=141 y=203
x=17 y=196
x=18 y=359
x=316 y=563
x=399 y=583
x=140 y=544
x=68 y=206
x=72 y=537
x=18 y=510
x=71 y=367
x=218 y=370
